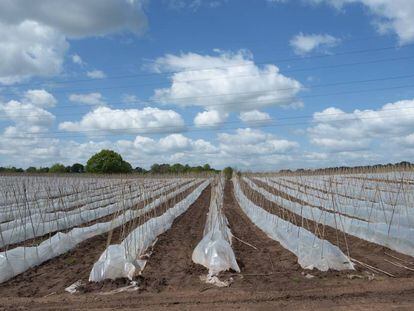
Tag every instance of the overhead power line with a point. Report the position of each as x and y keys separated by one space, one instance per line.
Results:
x=251 y=62
x=192 y=128
x=257 y=93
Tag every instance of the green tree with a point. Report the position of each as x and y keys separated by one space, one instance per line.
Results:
x=107 y=162
x=31 y=169
x=57 y=168
x=228 y=172
x=177 y=168
x=155 y=168
x=140 y=170
x=77 y=168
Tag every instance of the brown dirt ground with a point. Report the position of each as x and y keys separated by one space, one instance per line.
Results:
x=270 y=279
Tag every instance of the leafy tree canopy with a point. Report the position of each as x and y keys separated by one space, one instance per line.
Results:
x=107 y=162
x=57 y=168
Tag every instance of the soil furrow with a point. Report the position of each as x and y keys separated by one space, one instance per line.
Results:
x=170 y=266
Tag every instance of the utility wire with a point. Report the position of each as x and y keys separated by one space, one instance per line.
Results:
x=191 y=128
x=177 y=100
x=250 y=63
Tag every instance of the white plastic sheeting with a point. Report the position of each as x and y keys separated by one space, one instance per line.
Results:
x=311 y=251
x=39 y=227
x=20 y=259
x=214 y=251
x=123 y=260
x=370 y=211
x=25 y=211
x=396 y=238
x=36 y=218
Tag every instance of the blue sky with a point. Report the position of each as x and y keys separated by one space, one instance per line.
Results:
x=259 y=85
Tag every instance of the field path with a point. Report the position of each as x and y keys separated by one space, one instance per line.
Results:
x=270 y=266
x=170 y=266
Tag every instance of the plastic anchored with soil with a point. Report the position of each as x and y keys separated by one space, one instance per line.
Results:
x=214 y=251
x=122 y=260
x=311 y=251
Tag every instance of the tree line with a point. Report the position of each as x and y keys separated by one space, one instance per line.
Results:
x=110 y=162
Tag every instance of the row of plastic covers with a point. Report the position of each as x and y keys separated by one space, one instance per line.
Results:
x=91 y=198
x=35 y=216
x=399 y=215
x=311 y=251
x=20 y=259
x=123 y=260
x=214 y=251
x=397 y=238
x=392 y=193
x=38 y=226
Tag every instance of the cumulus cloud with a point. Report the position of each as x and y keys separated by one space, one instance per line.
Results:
x=254 y=142
x=255 y=117
x=96 y=74
x=40 y=98
x=94 y=99
x=389 y=15
x=30 y=48
x=76 y=59
x=34 y=33
x=336 y=130
x=303 y=44
x=147 y=120
x=29 y=114
x=78 y=18
x=209 y=118
x=224 y=82
x=23 y=141
x=194 y=5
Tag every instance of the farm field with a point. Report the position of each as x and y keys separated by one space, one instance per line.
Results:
x=343 y=241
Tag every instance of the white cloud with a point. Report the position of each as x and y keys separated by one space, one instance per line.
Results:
x=78 y=18
x=26 y=115
x=147 y=120
x=29 y=114
x=23 y=141
x=30 y=48
x=254 y=142
x=94 y=99
x=255 y=117
x=336 y=130
x=76 y=59
x=40 y=98
x=304 y=44
x=224 y=82
x=34 y=33
x=390 y=15
x=194 y=5
x=131 y=99
x=211 y=118
x=96 y=74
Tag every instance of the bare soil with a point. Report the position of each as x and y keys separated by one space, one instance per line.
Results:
x=270 y=279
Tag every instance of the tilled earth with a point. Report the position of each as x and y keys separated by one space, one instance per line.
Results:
x=270 y=276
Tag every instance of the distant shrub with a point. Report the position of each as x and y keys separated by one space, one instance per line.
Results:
x=228 y=172
x=57 y=168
